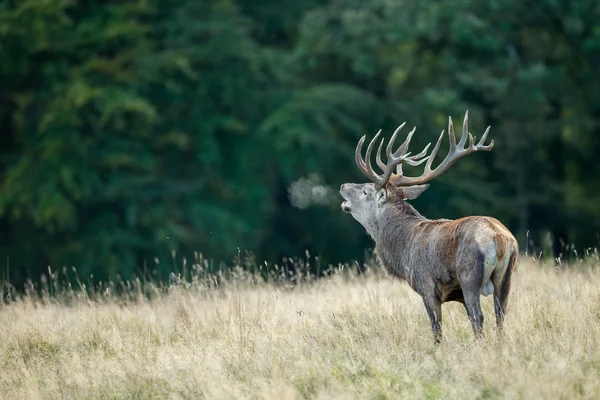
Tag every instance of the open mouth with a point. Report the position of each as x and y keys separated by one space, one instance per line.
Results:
x=346 y=206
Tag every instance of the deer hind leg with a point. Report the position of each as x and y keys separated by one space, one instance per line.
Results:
x=473 y=306
x=471 y=282
x=502 y=290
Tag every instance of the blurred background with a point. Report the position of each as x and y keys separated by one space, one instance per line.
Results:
x=134 y=134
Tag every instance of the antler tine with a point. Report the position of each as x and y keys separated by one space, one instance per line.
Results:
x=380 y=163
x=358 y=156
x=465 y=131
x=434 y=152
x=482 y=141
x=451 y=136
x=402 y=150
x=418 y=159
x=413 y=161
x=368 y=154
x=388 y=149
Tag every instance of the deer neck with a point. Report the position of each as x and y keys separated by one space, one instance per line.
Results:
x=394 y=233
x=395 y=225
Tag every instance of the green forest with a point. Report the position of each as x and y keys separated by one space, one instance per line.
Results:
x=136 y=134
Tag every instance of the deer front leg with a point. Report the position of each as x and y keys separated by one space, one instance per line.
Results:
x=434 y=310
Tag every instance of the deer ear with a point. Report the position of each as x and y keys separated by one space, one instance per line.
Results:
x=382 y=196
x=412 y=192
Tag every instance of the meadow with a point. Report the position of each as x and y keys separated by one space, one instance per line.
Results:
x=345 y=336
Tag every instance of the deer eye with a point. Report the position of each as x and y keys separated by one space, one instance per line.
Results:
x=365 y=191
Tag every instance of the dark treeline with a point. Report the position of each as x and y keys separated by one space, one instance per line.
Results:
x=132 y=131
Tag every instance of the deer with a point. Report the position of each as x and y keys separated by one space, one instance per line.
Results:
x=442 y=260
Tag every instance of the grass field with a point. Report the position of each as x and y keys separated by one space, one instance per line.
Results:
x=340 y=337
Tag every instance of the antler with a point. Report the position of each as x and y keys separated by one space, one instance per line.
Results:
x=401 y=156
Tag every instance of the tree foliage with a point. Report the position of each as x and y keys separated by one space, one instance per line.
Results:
x=132 y=131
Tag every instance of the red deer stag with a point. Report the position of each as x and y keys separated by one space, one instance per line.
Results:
x=442 y=260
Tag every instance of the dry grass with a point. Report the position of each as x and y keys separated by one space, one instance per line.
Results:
x=341 y=337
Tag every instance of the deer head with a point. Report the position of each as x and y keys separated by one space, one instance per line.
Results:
x=368 y=201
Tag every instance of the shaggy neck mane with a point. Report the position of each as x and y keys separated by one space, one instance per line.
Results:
x=394 y=235
x=404 y=210
x=400 y=219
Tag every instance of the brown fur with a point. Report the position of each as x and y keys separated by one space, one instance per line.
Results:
x=442 y=260
x=500 y=245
